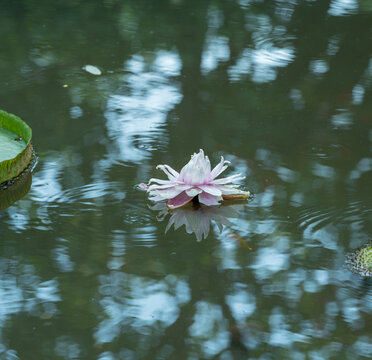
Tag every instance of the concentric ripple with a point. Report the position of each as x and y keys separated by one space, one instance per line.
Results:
x=312 y=219
x=92 y=194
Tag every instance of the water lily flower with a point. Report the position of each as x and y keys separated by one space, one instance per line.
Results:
x=196 y=180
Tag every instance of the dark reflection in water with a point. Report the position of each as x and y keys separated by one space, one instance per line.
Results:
x=111 y=89
x=13 y=190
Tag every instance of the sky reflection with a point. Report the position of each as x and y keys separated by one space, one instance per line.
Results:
x=136 y=120
x=343 y=7
x=86 y=270
x=22 y=290
x=138 y=303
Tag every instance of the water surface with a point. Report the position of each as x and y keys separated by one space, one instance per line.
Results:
x=111 y=89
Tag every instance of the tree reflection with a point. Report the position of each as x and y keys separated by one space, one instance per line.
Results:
x=87 y=270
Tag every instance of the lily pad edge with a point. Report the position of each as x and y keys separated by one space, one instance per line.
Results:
x=13 y=167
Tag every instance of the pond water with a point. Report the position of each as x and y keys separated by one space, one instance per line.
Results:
x=113 y=88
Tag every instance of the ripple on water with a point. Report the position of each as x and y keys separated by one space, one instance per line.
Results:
x=98 y=208
x=325 y=151
x=329 y=232
x=138 y=222
x=50 y=203
x=90 y=195
x=313 y=219
x=355 y=288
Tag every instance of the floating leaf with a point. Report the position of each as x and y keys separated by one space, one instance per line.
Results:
x=15 y=146
x=92 y=69
x=360 y=261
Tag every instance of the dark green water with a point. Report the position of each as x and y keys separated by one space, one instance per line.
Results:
x=282 y=89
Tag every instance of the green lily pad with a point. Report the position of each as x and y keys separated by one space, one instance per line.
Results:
x=360 y=261
x=15 y=146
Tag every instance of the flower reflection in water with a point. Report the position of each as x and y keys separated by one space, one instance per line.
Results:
x=197 y=218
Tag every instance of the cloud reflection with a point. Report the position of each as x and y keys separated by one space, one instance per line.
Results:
x=139 y=303
x=343 y=7
x=136 y=117
x=262 y=63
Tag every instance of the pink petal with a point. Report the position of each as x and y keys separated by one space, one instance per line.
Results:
x=179 y=200
x=143 y=186
x=211 y=189
x=208 y=199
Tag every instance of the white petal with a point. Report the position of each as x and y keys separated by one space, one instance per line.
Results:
x=207 y=165
x=166 y=193
x=197 y=170
x=170 y=172
x=203 y=162
x=210 y=189
x=219 y=168
x=156 y=198
x=183 y=187
x=161 y=187
x=160 y=181
x=228 y=179
x=231 y=190
x=193 y=192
